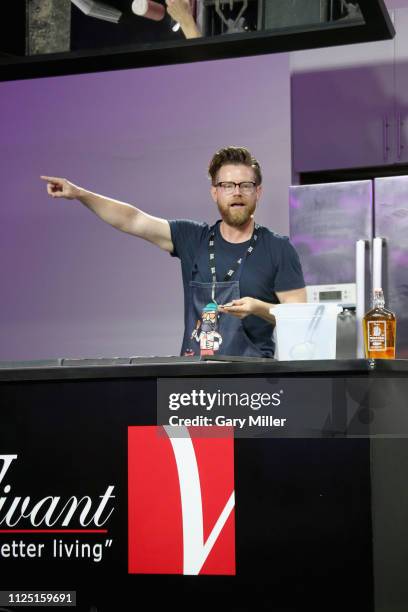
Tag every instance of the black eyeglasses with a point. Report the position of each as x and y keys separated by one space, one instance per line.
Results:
x=228 y=187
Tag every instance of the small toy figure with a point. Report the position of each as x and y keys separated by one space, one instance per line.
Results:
x=206 y=330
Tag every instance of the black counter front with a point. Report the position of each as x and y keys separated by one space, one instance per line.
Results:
x=96 y=498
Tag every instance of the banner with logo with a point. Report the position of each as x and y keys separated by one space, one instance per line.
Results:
x=102 y=507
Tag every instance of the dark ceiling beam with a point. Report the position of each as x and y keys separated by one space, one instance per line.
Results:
x=376 y=26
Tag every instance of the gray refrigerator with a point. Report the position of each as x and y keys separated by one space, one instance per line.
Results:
x=352 y=237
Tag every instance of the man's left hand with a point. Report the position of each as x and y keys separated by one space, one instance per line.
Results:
x=243 y=307
x=180 y=10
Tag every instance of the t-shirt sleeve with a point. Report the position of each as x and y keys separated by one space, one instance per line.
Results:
x=289 y=274
x=186 y=236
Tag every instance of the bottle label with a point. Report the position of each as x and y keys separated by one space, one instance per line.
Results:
x=377 y=336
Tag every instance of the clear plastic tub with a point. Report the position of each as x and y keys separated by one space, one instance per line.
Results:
x=305 y=331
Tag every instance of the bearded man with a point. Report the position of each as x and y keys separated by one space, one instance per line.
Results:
x=238 y=267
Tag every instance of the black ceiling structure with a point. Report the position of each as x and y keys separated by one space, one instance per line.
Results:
x=99 y=46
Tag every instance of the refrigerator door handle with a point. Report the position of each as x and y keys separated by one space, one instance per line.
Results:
x=386 y=144
x=400 y=146
x=360 y=295
x=377 y=263
x=399 y=136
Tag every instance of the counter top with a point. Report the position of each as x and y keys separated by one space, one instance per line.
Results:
x=172 y=366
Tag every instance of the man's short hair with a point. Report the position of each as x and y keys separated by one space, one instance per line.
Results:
x=234 y=155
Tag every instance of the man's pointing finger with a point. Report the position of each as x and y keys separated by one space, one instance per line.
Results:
x=51 y=179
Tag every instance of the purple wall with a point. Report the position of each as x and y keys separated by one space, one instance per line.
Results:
x=74 y=286
x=391 y=4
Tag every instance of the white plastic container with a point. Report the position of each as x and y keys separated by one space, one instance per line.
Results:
x=305 y=331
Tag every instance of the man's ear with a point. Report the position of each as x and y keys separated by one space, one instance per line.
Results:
x=259 y=192
x=213 y=192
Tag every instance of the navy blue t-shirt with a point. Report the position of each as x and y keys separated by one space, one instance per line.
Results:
x=272 y=266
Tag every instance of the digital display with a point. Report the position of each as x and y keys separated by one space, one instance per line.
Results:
x=329 y=295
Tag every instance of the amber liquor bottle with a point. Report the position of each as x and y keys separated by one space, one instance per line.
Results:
x=379 y=326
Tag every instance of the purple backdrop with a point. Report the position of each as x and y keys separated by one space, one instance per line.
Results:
x=73 y=286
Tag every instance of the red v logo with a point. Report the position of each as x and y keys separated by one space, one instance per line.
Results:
x=195 y=550
x=181 y=503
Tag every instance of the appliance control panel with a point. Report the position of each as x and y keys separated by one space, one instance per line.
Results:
x=344 y=294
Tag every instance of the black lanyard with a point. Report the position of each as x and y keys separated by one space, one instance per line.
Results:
x=234 y=268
